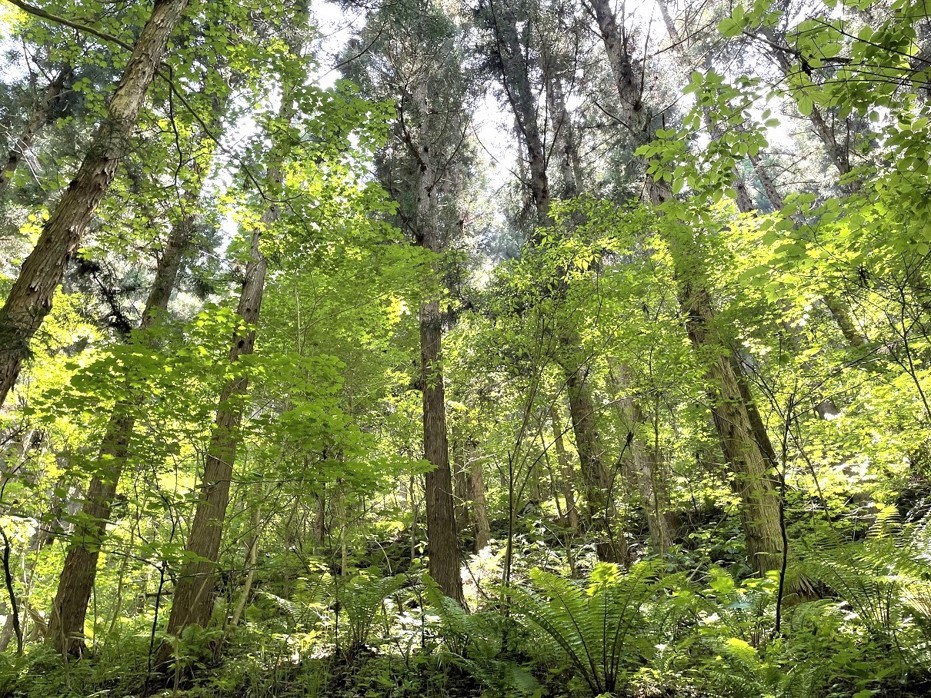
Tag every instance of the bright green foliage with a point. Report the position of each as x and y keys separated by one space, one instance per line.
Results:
x=600 y=627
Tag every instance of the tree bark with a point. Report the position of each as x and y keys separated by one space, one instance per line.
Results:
x=461 y=509
x=69 y=609
x=740 y=433
x=520 y=95
x=193 y=596
x=30 y=299
x=441 y=523
x=442 y=532
x=646 y=463
x=599 y=480
x=744 y=443
x=37 y=121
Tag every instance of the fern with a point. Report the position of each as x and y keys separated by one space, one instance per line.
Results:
x=598 y=626
x=475 y=641
x=361 y=601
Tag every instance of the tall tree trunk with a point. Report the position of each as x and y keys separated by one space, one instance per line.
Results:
x=37 y=121
x=30 y=299
x=441 y=523
x=645 y=461
x=193 y=596
x=66 y=623
x=477 y=496
x=598 y=479
x=69 y=609
x=745 y=444
x=565 y=466
x=521 y=97
x=442 y=533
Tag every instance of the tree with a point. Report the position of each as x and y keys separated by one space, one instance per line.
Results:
x=30 y=299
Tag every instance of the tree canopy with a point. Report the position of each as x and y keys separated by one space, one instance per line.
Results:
x=486 y=348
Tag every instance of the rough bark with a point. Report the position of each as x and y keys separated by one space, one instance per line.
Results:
x=521 y=97
x=66 y=621
x=441 y=522
x=193 y=596
x=442 y=532
x=745 y=445
x=37 y=121
x=30 y=299
x=738 y=428
x=600 y=512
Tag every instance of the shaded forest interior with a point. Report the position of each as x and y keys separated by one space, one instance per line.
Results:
x=423 y=348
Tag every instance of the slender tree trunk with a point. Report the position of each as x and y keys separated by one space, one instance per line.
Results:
x=477 y=496
x=37 y=121
x=565 y=466
x=320 y=522
x=40 y=538
x=66 y=623
x=30 y=299
x=193 y=597
x=646 y=466
x=598 y=479
x=744 y=442
x=461 y=509
x=252 y=558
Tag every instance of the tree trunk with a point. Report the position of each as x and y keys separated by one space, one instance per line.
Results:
x=599 y=516
x=40 y=538
x=601 y=513
x=477 y=496
x=442 y=533
x=39 y=119
x=520 y=94
x=745 y=444
x=645 y=463
x=461 y=509
x=441 y=522
x=66 y=621
x=252 y=558
x=193 y=597
x=740 y=436
x=565 y=466
x=30 y=299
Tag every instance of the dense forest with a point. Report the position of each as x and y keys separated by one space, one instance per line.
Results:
x=424 y=348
